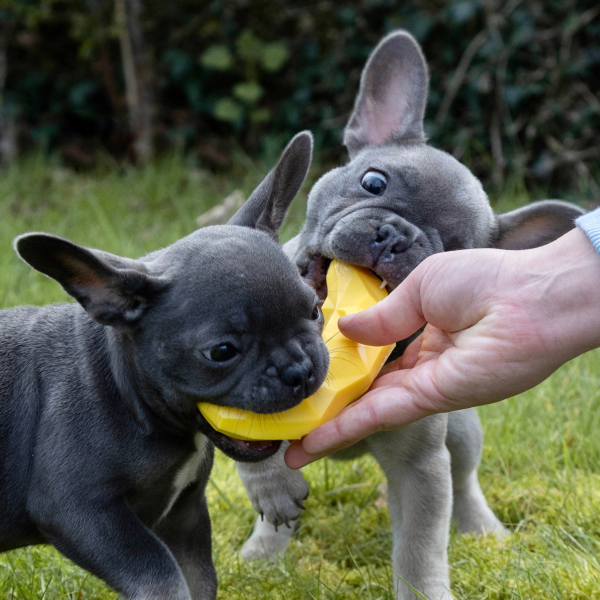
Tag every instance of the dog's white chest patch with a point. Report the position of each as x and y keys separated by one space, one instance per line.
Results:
x=187 y=474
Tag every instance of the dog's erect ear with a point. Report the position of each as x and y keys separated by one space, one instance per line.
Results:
x=536 y=224
x=267 y=206
x=390 y=105
x=115 y=291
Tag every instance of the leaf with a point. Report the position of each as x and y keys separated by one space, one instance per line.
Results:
x=249 y=47
x=180 y=63
x=227 y=109
x=79 y=98
x=347 y=15
x=248 y=91
x=260 y=115
x=515 y=94
x=274 y=56
x=193 y=92
x=217 y=58
x=462 y=11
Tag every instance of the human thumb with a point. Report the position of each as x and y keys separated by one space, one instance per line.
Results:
x=393 y=319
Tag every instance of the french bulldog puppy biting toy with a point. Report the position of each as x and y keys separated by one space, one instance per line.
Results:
x=353 y=367
x=103 y=452
x=396 y=202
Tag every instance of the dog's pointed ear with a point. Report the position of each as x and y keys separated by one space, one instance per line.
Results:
x=390 y=105
x=267 y=206
x=114 y=291
x=536 y=224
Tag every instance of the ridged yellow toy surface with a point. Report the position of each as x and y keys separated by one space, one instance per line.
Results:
x=352 y=368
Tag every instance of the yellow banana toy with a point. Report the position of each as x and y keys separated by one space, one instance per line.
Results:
x=352 y=368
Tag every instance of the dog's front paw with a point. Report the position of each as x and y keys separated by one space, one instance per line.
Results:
x=279 y=499
x=276 y=492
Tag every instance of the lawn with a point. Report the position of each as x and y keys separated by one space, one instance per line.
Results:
x=541 y=464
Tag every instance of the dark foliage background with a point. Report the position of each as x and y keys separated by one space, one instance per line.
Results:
x=515 y=84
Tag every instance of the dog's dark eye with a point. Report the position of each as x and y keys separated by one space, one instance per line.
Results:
x=221 y=353
x=374 y=182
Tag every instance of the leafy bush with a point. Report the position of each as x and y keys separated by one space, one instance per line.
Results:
x=514 y=84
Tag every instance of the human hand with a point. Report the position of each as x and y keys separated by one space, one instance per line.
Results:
x=499 y=323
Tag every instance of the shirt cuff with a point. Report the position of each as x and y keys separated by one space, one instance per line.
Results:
x=590 y=225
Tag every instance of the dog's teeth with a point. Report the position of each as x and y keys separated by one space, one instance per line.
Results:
x=247 y=444
x=383 y=284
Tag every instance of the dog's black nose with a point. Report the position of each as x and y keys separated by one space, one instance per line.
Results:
x=298 y=376
x=383 y=234
x=389 y=241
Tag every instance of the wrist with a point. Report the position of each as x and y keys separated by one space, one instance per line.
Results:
x=564 y=282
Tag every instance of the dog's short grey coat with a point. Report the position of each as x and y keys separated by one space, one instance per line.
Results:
x=103 y=452
x=431 y=204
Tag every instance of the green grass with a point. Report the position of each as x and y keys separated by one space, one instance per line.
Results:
x=541 y=465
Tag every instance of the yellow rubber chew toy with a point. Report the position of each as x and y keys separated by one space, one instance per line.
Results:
x=352 y=368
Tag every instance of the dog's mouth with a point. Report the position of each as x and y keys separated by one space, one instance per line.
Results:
x=246 y=451
x=240 y=450
x=315 y=275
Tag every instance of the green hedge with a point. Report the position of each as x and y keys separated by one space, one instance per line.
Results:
x=514 y=84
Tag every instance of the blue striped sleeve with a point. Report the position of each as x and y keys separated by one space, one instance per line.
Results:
x=590 y=224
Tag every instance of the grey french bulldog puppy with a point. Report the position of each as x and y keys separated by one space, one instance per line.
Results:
x=396 y=202
x=103 y=452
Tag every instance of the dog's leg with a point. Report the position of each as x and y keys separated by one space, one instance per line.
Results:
x=186 y=531
x=465 y=443
x=267 y=539
x=417 y=465
x=109 y=540
x=277 y=494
